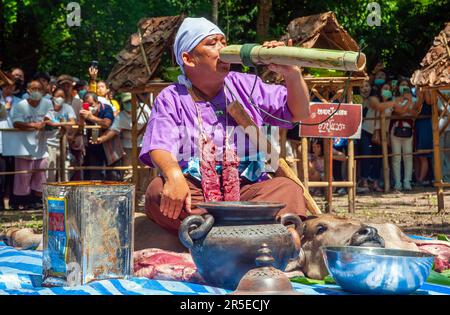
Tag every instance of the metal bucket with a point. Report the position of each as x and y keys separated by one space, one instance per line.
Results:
x=88 y=232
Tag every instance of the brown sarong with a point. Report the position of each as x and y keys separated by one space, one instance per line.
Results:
x=278 y=189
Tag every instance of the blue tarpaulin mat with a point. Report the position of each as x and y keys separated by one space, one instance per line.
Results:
x=21 y=273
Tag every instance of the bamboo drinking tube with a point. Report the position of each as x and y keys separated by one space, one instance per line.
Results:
x=287 y=55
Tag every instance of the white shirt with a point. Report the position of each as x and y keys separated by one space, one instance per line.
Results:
x=24 y=112
x=65 y=114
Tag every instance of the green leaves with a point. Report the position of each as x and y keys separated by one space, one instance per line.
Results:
x=434 y=278
x=439 y=278
x=443 y=237
x=308 y=281
x=406 y=32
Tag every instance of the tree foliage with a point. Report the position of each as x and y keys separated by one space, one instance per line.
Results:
x=35 y=35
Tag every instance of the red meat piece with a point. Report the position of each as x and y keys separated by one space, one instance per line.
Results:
x=210 y=178
x=441 y=253
x=160 y=264
x=230 y=175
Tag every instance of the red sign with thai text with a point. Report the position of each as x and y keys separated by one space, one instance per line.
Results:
x=345 y=123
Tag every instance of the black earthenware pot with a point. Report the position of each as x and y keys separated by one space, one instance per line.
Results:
x=224 y=243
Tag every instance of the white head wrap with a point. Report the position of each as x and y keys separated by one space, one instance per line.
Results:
x=191 y=32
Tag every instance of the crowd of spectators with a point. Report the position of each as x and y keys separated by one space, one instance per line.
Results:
x=97 y=126
x=407 y=113
x=42 y=109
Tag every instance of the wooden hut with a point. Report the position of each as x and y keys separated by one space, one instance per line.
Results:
x=434 y=76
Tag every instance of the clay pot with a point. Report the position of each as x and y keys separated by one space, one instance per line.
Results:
x=224 y=243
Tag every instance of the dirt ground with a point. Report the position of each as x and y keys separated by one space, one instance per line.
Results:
x=415 y=212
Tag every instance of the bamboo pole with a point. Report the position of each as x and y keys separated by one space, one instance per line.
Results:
x=36 y=170
x=305 y=163
x=297 y=56
x=329 y=173
x=351 y=162
x=134 y=149
x=62 y=158
x=334 y=82
x=350 y=177
x=345 y=184
x=441 y=184
x=76 y=168
x=418 y=152
x=100 y=168
x=384 y=148
x=436 y=152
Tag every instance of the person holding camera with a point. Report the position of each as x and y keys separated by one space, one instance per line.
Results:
x=95 y=113
x=401 y=134
x=101 y=89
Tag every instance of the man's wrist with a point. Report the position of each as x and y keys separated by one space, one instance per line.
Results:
x=174 y=175
x=293 y=74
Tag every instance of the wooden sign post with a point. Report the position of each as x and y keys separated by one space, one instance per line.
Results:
x=345 y=123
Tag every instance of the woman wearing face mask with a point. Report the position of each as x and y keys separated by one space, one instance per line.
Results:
x=379 y=78
x=381 y=100
x=57 y=117
x=401 y=134
x=29 y=114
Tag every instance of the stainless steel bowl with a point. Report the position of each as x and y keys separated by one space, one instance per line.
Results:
x=371 y=270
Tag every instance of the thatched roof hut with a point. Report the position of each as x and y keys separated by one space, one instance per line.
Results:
x=434 y=75
x=435 y=66
x=317 y=31
x=138 y=61
x=320 y=31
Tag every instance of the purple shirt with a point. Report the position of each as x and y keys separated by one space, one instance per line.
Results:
x=173 y=124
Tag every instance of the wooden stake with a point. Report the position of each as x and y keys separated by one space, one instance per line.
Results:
x=134 y=148
x=351 y=178
x=384 y=148
x=351 y=162
x=328 y=145
x=436 y=152
x=335 y=184
x=305 y=162
x=62 y=158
